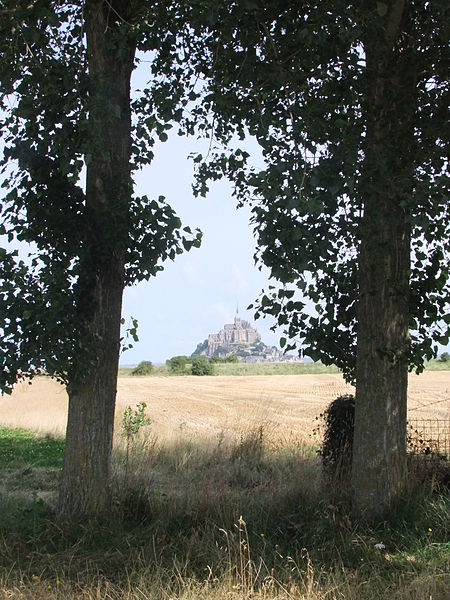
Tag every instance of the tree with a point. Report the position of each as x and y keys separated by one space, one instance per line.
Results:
x=177 y=364
x=145 y=367
x=348 y=102
x=65 y=91
x=202 y=366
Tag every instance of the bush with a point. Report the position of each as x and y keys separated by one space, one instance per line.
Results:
x=177 y=364
x=232 y=358
x=445 y=357
x=337 y=444
x=145 y=367
x=201 y=366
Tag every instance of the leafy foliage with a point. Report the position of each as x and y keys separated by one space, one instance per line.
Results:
x=337 y=446
x=177 y=364
x=201 y=366
x=47 y=102
x=145 y=367
x=231 y=358
x=295 y=78
x=133 y=420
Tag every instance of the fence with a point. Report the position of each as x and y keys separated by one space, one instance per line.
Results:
x=429 y=437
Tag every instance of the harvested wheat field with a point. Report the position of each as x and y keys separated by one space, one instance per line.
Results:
x=285 y=405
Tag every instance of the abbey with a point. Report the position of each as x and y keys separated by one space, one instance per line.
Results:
x=238 y=338
x=232 y=336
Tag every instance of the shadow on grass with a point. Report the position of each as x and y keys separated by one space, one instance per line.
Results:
x=223 y=519
x=19 y=447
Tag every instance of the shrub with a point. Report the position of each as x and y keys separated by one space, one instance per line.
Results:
x=145 y=367
x=177 y=364
x=445 y=357
x=201 y=366
x=337 y=444
x=133 y=420
x=232 y=358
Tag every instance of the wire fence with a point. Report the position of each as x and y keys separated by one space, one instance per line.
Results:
x=429 y=437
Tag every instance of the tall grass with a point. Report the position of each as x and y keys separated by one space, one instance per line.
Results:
x=267 y=368
x=222 y=518
x=273 y=369
x=236 y=369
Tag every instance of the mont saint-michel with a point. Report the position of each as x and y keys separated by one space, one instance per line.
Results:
x=238 y=338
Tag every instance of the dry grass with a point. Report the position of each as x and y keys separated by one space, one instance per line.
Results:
x=219 y=519
x=310 y=586
x=209 y=407
x=225 y=460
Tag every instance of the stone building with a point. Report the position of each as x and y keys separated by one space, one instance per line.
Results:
x=232 y=336
x=238 y=338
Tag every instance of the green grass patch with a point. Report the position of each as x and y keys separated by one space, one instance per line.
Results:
x=437 y=365
x=263 y=368
x=19 y=448
x=245 y=369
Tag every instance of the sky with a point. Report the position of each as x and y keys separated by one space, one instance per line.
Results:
x=200 y=291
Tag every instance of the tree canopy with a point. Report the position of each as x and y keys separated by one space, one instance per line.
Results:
x=48 y=140
x=348 y=102
x=295 y=77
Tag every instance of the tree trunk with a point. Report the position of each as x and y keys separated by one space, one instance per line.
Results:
x=379 y=455
x=85 y=486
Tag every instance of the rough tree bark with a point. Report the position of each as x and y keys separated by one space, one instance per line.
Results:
x=85 y=486
x=379 y=460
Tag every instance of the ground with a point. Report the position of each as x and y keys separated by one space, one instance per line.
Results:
x=227 y=519
x=285 y=405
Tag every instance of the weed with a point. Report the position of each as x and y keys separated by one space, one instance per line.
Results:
x=133 y=420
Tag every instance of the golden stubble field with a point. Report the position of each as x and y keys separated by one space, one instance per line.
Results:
x=210 y=407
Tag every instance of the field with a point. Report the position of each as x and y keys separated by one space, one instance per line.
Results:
x=222 y=499
x=206 y=407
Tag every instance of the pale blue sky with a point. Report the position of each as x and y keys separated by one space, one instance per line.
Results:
x=198 y=292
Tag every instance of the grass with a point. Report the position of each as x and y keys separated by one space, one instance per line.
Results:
x=437 y=365
x=238 y=369
x=215 y=519
x=21 y=448
x=262 y=368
